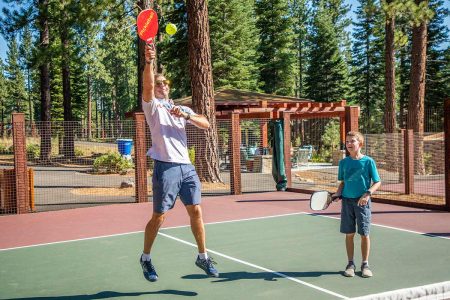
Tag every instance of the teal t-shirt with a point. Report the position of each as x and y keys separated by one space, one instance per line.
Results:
x=357 y=175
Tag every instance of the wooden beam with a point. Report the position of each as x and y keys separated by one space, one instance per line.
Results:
x=287 y=147
x=447 y=152
x=409 y=161
x=20 y=164
x=235 y=158
x=313 y=115
x=352 y=118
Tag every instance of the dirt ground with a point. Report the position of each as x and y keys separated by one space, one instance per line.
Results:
x=130 y=191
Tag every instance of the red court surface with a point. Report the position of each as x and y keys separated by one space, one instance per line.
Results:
x=81 y=223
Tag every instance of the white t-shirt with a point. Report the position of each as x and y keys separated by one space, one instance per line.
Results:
x=169 y=141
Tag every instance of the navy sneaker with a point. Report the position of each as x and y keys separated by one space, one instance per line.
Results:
x=207 y=265
x=149 y=270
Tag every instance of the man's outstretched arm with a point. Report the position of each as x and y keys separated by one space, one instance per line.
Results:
x=198 y=120
x=148 y=76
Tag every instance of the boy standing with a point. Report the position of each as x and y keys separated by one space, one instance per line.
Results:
x=356 y=172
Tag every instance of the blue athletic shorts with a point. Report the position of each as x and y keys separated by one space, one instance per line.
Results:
x=173 y=179
x=352 y=215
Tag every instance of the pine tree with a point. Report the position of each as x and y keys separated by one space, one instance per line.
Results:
x=327 y=70
x=15 y=79
x=173 y=51
x=79 y=88
x=446 y=72
x=367 y=75
x=26 y=49
x=119 y=62
x=300 y=14
x=233 y=44
x=200 y=69
x=403 y=44
x=438 y=34
x=3 y=94
x=276 y=47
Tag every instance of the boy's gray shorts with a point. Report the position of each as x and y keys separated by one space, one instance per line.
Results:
x=173 y=179
x=352 y=215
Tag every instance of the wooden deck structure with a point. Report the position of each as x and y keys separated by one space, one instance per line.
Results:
x=235 y=105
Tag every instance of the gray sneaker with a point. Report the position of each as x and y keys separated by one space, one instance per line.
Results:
x=350 y=270
x=365 y=271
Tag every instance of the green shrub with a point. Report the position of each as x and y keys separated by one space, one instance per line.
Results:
x=33 y=151
x=112 y=162
x=4 y=149
x=317 y=158
x=79 y=152
x=330 y=140
x=191 y=152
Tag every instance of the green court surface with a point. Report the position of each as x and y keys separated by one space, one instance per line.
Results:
x=300 y=256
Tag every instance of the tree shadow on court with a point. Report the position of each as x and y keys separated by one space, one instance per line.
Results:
x=437 y=234
x=112 y=294
x=276 y=200
x=232 y=276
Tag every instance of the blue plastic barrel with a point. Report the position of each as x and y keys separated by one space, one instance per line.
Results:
x=125 y=146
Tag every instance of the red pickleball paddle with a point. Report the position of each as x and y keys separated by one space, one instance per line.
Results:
x=147 y=25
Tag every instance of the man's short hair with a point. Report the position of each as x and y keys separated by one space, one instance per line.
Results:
x=357 y=135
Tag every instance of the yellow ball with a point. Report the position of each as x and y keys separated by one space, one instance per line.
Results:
x=171 y=29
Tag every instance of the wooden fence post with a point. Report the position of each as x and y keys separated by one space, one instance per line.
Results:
x=287 y=147
x=409 y=161
x=401 y=158
x=351 y=121
x=140 y=153
x=20 y=164
x=447 y=152
x=235 y=159
x=351 y=118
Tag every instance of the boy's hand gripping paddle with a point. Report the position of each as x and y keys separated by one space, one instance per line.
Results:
x=321 y=200
x=147 y=25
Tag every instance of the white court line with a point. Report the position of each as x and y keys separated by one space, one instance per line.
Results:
x=241 y=220
x=74 y=240
x=213 y=223
x=140 y=231
x=257 y=267
x=389 y=227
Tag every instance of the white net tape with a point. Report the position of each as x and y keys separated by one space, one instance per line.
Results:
x=436 y=291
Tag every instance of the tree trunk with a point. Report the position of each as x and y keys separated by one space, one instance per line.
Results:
x=389 y=55
x=417 y=90
x=44 y=37
x=30 y=104
x=68 y=142
x=403 y=101
x=206 y=154
x=89 y=109
x=389 y=112
x=115 y=110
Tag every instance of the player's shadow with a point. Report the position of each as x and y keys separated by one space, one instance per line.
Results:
x=112 y=294
x=232 y=276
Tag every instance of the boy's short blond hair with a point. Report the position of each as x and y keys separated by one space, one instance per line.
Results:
x=357 y=135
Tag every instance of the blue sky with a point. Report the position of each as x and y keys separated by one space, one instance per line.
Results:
x=354 y=3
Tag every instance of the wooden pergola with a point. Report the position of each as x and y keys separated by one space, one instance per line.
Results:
x=252 y=105
x=235 y=105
